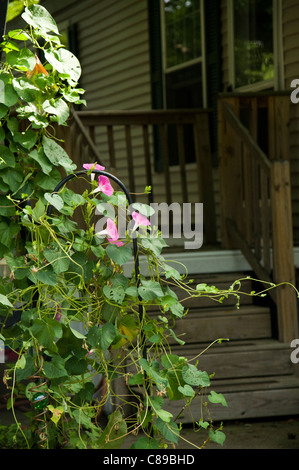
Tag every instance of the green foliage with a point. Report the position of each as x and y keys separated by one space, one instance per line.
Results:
x=81 y=319
x=12 y=438
x=15 y=8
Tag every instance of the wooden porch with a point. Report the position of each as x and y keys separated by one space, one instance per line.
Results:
x=253 y=369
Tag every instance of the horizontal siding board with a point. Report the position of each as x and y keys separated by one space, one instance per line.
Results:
x=109 y=13
x=128 y=59
x=111 y=80
x=121 y=40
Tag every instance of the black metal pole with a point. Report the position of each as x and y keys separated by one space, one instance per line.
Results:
x=135 y=248
x=3 y=15
x=125 y=190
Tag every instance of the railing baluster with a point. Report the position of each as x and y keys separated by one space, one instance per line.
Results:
x=111 y=149
x=130 y=164
x=257 y=211
x=147 y=157
x=248 y=184
x=180 y=135
x=91 y=131
x=205 y=174
x=165 y=157
x=265 y=222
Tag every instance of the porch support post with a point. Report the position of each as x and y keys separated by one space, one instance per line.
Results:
x=283 y=255
x=205 y=175
x=229 y=171
x=278 y=127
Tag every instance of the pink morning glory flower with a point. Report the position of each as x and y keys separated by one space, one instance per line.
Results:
x=93 y=166
x=110 y=232
x=104 y=186
x=139 y=220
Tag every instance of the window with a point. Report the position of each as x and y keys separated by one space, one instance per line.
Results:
x=178 y=71
x=253 y=43
x=253 y=31
x=183 y=67
x=182 y=31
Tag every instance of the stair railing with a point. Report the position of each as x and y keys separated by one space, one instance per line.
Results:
x=256 y=212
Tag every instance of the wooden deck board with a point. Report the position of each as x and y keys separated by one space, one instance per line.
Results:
x=248 y=398
x=252 y=370
x=238 y=359
x=248 y=322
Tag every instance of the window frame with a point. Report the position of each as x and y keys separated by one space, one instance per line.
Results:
x=277 y=83
x=201 y=59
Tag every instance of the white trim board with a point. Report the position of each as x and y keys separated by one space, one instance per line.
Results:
x=215 y=261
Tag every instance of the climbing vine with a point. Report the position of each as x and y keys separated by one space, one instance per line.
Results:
x=79 y=326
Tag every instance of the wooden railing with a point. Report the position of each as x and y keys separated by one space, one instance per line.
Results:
x=255 y=194
x=125 y=142
x=77 y=141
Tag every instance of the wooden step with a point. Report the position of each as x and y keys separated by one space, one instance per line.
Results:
x=247 y=398
x=256 y=378
x=240 y=359
x=207 y=325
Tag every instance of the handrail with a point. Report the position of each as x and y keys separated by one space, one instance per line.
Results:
x=141 y=117
x=78 y=144
x=243 y=133
x=87 y=138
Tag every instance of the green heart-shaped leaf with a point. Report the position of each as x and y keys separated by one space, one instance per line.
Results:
x=186 y=390
x=55 y=200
